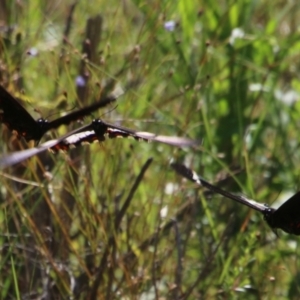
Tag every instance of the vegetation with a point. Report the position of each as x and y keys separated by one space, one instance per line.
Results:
x=105 y=221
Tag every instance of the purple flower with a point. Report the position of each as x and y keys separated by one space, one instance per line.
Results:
x=80 y=81
x=170 y=25
x=33 y=51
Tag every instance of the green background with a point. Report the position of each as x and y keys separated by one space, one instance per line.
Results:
x=227 y=74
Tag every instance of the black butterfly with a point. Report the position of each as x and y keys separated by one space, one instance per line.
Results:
x=16 y=117
x=286 y=217
x=98 y=130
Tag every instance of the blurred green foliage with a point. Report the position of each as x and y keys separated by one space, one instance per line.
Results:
x=226 y=72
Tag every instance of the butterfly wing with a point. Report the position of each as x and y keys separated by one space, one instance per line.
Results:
x=16 y=117
x=19 y=156
x=287 y=216
x=191 y=175
x=75 y=140
x=79 y=114
x=115 y=131
x=99 y=130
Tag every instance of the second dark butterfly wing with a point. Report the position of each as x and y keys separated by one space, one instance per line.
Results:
x=75 y=140
x=79 y=114
x=115 y=131
x=99 y=130
x=19 y=156
x=287 y=216
x=84 y=134
x=16 y=117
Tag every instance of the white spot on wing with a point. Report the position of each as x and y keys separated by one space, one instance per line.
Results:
x=196 y=178
x=146 y=135
x=254 y=203
x=48 y=144
x=78 y=136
